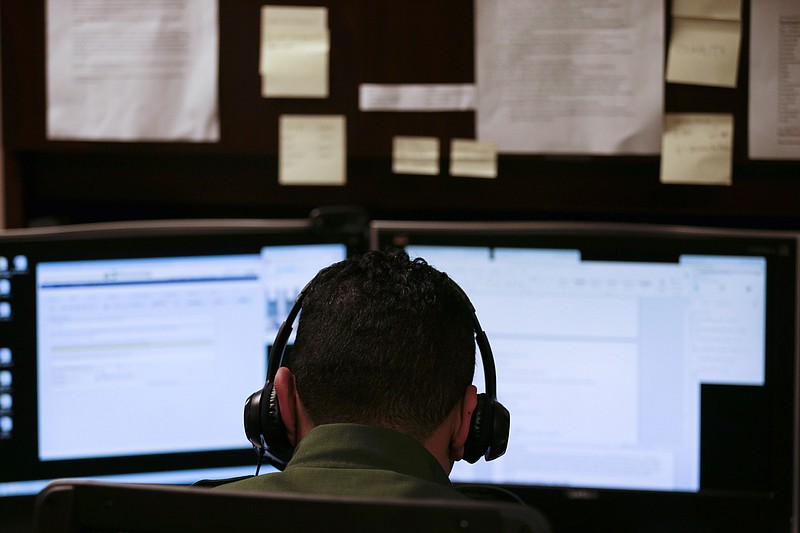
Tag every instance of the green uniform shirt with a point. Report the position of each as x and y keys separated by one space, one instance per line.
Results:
x=356 y=460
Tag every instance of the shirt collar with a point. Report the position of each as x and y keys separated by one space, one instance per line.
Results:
x=367 y=447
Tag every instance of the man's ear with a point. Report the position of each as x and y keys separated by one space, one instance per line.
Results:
x=286 y=392
x=464 y=423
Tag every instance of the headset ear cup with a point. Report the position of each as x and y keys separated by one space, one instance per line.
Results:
x=501 y=428
x=480 y=431
x=252 y=419
x=272 y=424
x=263 y=424
x=264 y=427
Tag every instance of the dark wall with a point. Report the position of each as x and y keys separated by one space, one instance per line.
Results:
x=372 y=41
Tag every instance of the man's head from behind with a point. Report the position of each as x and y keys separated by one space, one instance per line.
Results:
x=383 y=341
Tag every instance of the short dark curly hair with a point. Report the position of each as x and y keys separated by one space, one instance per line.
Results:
x=384 y=341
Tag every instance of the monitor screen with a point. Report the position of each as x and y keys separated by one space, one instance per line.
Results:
x=127 y=352
x=633 y=359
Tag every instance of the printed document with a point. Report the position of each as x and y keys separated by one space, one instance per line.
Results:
x=128 y=71
x=775 y=80
x=570 y=77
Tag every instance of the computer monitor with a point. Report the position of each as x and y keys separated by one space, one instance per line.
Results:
x=127 y=351
x=650 y=371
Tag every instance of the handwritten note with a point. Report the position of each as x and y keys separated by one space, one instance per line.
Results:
x=475 y=159
x=708 y=9
x=297 y=17
x=295 y=44
x=312 y=150
x=415 y=155
x=697 y=148
x=704 y=44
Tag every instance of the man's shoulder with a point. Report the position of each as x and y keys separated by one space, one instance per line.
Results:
x=217 y=483
x=347 y=482
x=489 y=493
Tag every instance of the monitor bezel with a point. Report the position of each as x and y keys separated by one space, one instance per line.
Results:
x=150 y=239
x=637 y=506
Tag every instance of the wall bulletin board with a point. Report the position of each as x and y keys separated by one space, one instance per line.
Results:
x=381 y=42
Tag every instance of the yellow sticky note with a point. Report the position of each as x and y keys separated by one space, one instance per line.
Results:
x=295 y=46
x=415 y=155
x=704 y=52
x=475 y=159
x=708 y=9
x=312 y=150
x=297 y=17
x=697 y=148
x=295 y=63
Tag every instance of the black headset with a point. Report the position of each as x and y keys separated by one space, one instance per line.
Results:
x=489 y=427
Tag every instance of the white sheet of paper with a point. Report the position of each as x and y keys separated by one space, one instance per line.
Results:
x=415 y=155
x=312 y=150
x=295 y=46
x=697 y=148
x=416 y=97
x=570 y=77
x=473 y=159
x=129 y=71
x=704 y=52
x=774 y=108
